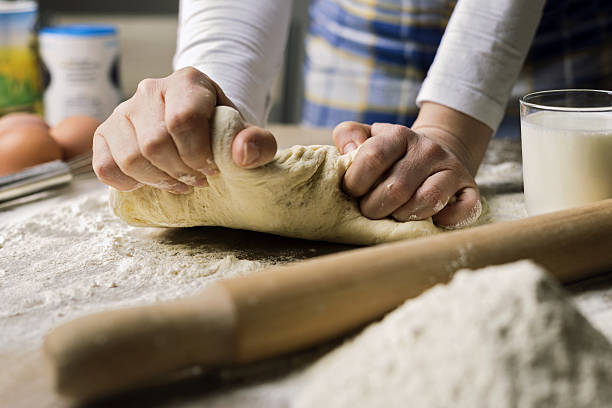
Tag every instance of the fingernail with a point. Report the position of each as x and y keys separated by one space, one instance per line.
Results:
x=176 y=188
x=250 y=153
x=180 y=189
x=201 y=182
x=136 y=187
x=349 y=147
x=193 y=180
x=210 y=169
x=439 y=206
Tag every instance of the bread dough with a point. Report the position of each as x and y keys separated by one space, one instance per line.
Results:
x=298 y=194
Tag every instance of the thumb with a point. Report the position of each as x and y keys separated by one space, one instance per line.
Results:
x=349 y=135
x=253 y=147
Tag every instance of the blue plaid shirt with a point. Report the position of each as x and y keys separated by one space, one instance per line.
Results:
x=366 y=59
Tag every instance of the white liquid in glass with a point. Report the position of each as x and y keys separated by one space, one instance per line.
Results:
x=567 y=159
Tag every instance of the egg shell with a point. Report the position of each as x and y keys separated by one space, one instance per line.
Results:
x=18 y=119
x=25 y=146
x=75 y=135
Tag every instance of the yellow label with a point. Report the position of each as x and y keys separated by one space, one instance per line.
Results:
x=19 y=79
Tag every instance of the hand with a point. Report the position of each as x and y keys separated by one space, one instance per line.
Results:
x=410 y=174
x=161 y=136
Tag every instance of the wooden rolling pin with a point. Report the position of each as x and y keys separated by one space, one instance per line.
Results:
x=287 y=308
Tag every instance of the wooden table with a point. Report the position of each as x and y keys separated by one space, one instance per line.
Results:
x=266 y=384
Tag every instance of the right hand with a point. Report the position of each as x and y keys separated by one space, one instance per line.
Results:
x=161 y=136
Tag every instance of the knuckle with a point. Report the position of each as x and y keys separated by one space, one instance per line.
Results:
x=403 y=216
x=106 y=170
x=154 y=146
x=347 y=126
x=195 y=160
x=365 y=209
x=398 y=131
x=396 y=192
x=432 y=150
x=123 y=108
x=373 y=159
x=130 y=161
x=395 y=137
x=432 y=197
x=99 y=132
x=147 y=86
x=182 y=120
x=191 y=74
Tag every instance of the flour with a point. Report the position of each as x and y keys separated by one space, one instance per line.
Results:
x=501 y=205
x=79 y=258
x=74 y=257
x=501 y=337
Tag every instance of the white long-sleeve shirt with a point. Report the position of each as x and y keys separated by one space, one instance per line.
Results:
x=240 y=44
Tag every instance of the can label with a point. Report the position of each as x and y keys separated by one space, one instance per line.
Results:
x=19 y=75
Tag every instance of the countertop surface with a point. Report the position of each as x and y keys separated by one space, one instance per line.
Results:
x=41 y=290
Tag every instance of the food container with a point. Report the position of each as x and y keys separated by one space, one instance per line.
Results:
x=566 y=138
x=19 y=75
x=80 y=71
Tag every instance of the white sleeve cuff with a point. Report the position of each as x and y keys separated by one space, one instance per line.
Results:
x=480 y=56
x=238 y=44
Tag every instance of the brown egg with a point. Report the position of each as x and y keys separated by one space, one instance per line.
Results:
x=25 y=146
x=13 y=120
x=75 y=135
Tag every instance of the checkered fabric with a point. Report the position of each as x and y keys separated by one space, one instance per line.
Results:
x=366 y=59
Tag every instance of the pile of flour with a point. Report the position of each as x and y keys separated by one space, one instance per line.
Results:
x=504 y=336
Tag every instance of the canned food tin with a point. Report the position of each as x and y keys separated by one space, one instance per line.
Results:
x=19 y=75
x=80 y=71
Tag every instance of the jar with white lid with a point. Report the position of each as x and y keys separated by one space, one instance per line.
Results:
x=80 y=71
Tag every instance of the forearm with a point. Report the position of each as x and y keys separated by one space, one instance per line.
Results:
x=239 y=44
x=480 y=56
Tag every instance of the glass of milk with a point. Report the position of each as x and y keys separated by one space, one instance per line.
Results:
x=566 y=138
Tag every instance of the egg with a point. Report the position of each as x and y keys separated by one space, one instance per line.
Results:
x=13 y=120
x=25 y=146
x=75 y=135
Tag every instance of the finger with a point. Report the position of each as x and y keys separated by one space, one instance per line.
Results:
x=430 y=198
x=190 y=105
x=253 y=147
x=376 y=155
x=107 y=170
x=396 y=189
x=154 y=141
x=125 y=151
x=464 y=211
x=222 y=99
x=349 y=135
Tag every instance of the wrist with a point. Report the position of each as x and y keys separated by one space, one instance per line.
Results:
x=463 y=135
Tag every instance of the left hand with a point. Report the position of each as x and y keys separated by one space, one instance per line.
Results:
x=409 y=175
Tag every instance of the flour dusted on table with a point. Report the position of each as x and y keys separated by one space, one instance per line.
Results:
x=501 y=337
x=78 y=258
